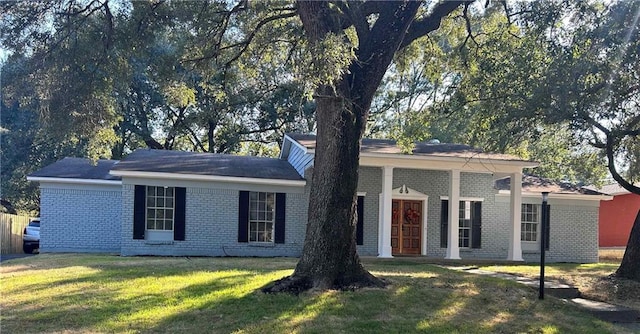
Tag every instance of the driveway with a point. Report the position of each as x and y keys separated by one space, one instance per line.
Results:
x=5 y=257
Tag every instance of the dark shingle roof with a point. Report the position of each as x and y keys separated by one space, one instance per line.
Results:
x=78 y=168
x=613 y=189
x=535 y=184
x=162 y=161
x=387 y=146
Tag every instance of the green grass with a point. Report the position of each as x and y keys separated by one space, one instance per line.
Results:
x=95 y=293
x=558 y=269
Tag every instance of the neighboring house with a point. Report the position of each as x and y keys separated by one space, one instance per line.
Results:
x=617 y=216
x=157 y=202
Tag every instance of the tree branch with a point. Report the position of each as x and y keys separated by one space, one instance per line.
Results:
x=419 y=28
x=244 y=44
x=610 y=149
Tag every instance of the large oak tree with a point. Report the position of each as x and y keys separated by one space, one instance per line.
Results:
x=376 y=30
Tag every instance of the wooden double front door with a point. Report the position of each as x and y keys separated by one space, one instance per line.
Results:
x=406 y=226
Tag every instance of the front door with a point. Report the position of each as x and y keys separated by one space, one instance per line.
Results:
x=406 y=226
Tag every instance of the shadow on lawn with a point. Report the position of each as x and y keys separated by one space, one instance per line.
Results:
x=445 y=302
x=420 y=298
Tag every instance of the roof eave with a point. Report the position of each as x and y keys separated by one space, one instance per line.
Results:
x=73 y=180
x=562 y=195
x=210 y=178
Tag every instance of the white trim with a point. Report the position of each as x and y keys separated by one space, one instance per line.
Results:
x=362 y=193
x=582 y=197
x=384 y=223
x=425 y=201
x=211 y=178
x=72 y=180
x=294 y=142
x=465 y=199
x=453 y=240
x=405 y=192
x=520 y=163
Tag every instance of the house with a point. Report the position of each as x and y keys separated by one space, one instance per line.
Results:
x=617 y=216
x=443 y=200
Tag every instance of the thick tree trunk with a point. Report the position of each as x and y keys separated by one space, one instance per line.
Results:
x=329 y=259
x=630 y=266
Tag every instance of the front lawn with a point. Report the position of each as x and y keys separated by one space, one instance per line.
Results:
x=594 y=280
x=99 y=293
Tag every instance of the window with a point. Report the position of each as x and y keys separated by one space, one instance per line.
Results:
x=530 y=219
x=469 y=223
x=464 y=232
x=261 y=216
x=160 y=208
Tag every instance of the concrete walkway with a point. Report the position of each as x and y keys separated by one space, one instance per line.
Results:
x=604 y=311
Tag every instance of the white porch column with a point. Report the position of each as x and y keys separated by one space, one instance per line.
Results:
x=515 y=245
x=453 y=249
x=384 y=228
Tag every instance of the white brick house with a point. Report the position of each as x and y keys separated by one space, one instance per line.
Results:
x=443 y=200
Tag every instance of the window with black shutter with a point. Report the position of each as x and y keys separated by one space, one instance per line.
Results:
x=360 y=221
x=262 y=217
x=469 y=224
x=159 y=213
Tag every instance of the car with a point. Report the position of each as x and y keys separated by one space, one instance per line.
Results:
x=31 y=236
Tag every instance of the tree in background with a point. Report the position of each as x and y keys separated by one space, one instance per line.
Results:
x=194 y=75
x=554 y=81
x=473 y=82
x=103 y=78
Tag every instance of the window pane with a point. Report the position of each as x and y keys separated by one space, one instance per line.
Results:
x=269 y=235
x=261 y=211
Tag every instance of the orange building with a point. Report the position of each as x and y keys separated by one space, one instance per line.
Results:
x=616 y=217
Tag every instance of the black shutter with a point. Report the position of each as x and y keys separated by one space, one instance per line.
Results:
x=476 y=224
x=180 y=214
x=243 y=217
x=548 y=226
x=139 y=208
x=444 y=223
x=281 y=208
x=360 y=222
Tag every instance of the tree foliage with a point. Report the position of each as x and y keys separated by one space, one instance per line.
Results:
x=478 y=80
x=102 y=78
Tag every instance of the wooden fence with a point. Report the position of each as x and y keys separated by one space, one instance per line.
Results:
x=11 y=228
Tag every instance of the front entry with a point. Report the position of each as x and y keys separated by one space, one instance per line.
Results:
x=406 y=226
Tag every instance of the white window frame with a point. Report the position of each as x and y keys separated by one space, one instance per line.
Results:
x=464 y=216
x=262 y=217
x=530 y=215
x=168 y=212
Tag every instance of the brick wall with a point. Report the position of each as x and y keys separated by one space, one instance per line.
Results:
x=573 y=233
x=370 y=182
x=212 y=226
x=80 y=219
